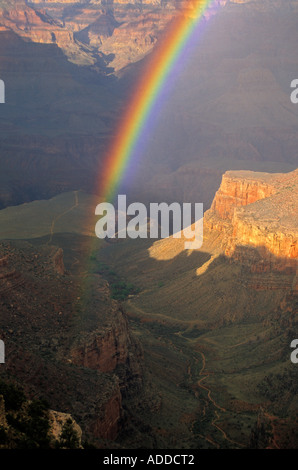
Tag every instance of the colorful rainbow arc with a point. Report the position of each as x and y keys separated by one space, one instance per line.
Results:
x=148 y=92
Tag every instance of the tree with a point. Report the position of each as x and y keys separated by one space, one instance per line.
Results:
x=69 y=438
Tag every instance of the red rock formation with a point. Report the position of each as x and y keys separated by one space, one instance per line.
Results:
x=256 y=214
x=120 y=30
x=108 y=348
x=106 y=425
x=253 y=220
x=27 y=23
x=104 y=350
x=236 y=190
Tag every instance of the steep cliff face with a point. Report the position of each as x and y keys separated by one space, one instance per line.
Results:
x=112 y=349
x=132 y=38
x=256 y=214
x=106 y=425
x=37 y=26
x=239 y=189
x=104 y=350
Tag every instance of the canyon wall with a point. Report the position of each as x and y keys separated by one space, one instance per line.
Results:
x=112 y=349
x=90 y=34
x=95 y=33
x=256 y=215
x=253 y=221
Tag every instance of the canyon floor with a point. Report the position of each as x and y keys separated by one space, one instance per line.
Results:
x=204 y=359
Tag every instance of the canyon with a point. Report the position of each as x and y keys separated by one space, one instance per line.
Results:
x=90 y=33
x=197 y=351
x=229 y=107
x=238 y=291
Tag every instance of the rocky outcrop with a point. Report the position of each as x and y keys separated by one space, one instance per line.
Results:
x=239 y=189
x=104 y=350
x=28 y=23
x=257 y=217
x=39 y=27
x=112 y=349
x=92 y=33
x=57 y=421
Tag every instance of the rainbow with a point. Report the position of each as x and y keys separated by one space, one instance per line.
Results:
x=149 y=92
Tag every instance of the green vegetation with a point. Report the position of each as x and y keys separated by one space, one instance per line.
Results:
x=69 y=438
x=25 y=424
x=120 y=289
x=274 y=386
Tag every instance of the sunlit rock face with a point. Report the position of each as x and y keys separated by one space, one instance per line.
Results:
x=257 y=216
x=252 y=220
x=117 y=33
x=28 y=23
x=90 y=33
x=239 y=189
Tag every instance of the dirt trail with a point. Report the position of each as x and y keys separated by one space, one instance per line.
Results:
x=214 y=421
x=203 y=376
